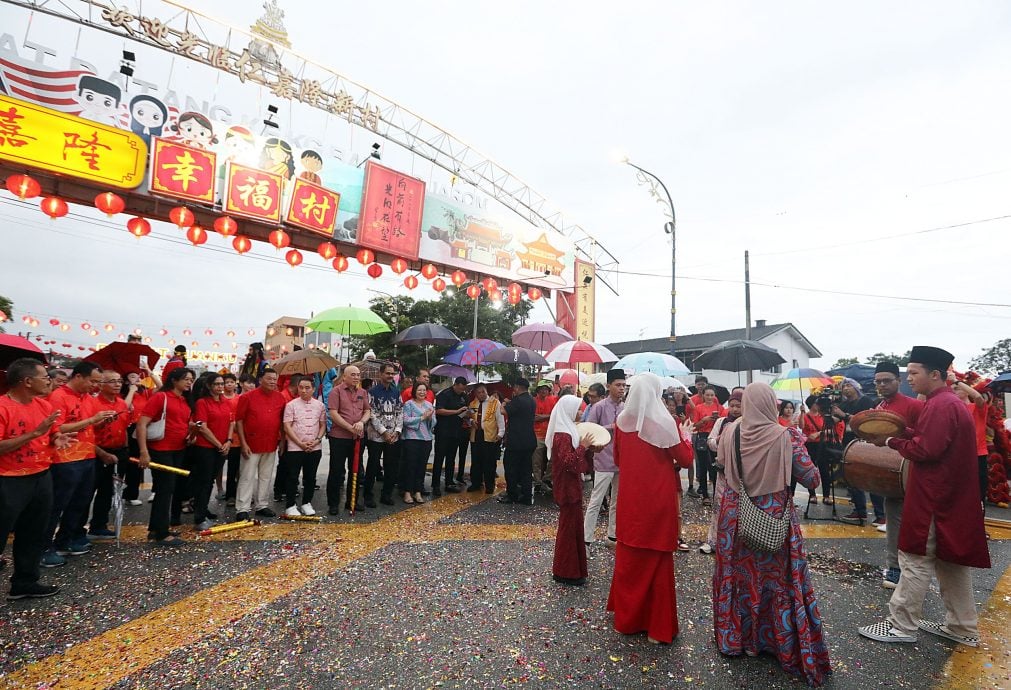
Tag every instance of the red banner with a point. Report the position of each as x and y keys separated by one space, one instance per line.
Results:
x=182 y=171
x=313 y=207
x=392 y=204
x=253 y=193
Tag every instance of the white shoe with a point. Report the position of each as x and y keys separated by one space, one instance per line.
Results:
x=881 y=528
x=942 y=631
x=705 y=548
x=884 y=632
x=135 y=502
x=307 y=509
x=292 y=512
x=150 y=499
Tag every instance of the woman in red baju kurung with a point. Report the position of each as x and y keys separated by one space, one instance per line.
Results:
x=647 y=444
x=568 y=454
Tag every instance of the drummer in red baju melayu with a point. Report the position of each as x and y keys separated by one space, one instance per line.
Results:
x=942 y=529
x=886 y=384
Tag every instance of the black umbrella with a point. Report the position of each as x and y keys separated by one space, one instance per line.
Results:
x=426 y=334
x=515 y=355
x=1001 y=384
x=738 y=355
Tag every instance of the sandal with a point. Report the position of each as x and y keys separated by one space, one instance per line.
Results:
x=418 y=498
x=707 y=502
x=683 y=545
x=814 y=500
x=408 y=499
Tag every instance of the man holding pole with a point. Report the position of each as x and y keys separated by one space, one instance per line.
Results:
x=349 y=408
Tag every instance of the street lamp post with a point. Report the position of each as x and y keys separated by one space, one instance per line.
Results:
x=648 y=179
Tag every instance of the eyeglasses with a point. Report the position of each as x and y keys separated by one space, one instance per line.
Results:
x=113 y=381
x=47 y=377
x=884 y=382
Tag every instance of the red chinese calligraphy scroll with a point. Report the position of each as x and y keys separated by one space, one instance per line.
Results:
x=182 y=172
x=313 y=207
x=392 y=204
x=253 y=193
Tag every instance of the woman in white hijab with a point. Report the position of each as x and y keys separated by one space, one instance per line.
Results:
x=570 y=456
x=648 y=448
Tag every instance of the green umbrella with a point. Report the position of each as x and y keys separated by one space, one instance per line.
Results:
x=348 y=321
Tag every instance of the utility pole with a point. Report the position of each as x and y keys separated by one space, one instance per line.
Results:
x=477 y=301
x=747 y=305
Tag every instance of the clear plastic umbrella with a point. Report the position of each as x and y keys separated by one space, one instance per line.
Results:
x=118 y=484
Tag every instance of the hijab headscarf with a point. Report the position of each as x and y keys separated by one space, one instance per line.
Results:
x=562 y=421
x=766 y=449
x=645 y=414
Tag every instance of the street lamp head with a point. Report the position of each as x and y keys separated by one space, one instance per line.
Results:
x=619 y=156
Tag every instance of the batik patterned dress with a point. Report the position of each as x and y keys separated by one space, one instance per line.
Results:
x=764 y=602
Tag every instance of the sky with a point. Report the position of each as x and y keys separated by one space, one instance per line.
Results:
x=837 y=143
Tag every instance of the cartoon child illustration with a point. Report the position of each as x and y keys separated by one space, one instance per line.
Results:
x=194 y=129
x=277 y=158
x=312 y=163
x=238 y=146
x=99 y=100
x=148 y=116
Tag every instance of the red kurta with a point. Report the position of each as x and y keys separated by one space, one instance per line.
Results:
x=943 y=484
x=904 y=406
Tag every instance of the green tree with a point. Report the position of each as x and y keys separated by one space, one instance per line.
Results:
x=901 y=360
x=7 y=307
x=844 y=362
x=994 y=360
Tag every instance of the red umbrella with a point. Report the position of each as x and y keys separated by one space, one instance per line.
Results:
x=123 y=358
x=15 y=347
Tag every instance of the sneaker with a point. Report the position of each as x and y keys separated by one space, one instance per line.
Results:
x=853 y=518
x=882 y=528
x=692 y=493
x=241 y=517
x=99 y=534
x=705 y=548
x=72 y=550
x=266 y=512
x=34 y=591
x=683 y=545
x=942 y=631
x=890 y=578
x=201 y=526
x=291 y=511
x=150 y=499
x=135 y=502
x=51 y=559
x=879 y=521
x=884 y=632
x=307 y=509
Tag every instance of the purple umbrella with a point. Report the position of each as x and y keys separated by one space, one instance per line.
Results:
x=515 y=355
x=540 y=336
x=452 y=371
x=469 y=353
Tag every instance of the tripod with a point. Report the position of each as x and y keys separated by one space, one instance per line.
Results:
x=825 y=457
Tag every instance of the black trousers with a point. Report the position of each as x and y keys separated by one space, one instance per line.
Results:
x=519 y=474
x=25 y=505
x=281 y=473
x=342 y=464
x=163 y=485
x=232 y=479
x=705 y=471
x=182 y=490
x=414 y=458
x=306 y=463
x=447 y=446
x=73 y=487
x=462 y=457
x=483 y=461
x=204 y=461
x=132 y=474
x=103 y=486
x=389 y=455
x=984 y=481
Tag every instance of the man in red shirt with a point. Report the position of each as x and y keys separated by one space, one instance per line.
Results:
x=349 y=408
x=177 y=360
x=111 y=437
x=28 y=435
x=979 y=409
x=701 y=383
x=544 y=402
x=73 y=467
x=258 y=418
x=423 y=377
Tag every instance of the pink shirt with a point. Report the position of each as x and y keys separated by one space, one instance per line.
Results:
x=350 y=404
x=304 y=418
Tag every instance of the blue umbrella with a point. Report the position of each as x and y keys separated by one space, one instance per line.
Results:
x=469 y=353
x=655 y=362
x=1001 y=384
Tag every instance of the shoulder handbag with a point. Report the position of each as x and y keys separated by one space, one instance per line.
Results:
x=756 y=528
x=156 y=429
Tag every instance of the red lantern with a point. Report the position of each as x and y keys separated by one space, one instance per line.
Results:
x=93 y=333
x=340 y=263
x=208 y=331
x=196 y=235
x=137 y=331
x=110 y=204
x=495 y=295
x=411 y=282
x=515 y=289
x=226 y=226
x=54 y=322
x=230 y=334
x=251 y=331
x=279 y=238
x=398 y=266
x=64 y=327
x=534 y=294
x=327 y=250
x=515 y=297
x=489 y=284
x=163 y=332
x=430 y=271
x=182 y=217
x=23 y=186
x=293 y=257
x=458 y=278
x=365 y=256
x=375 y=270
x=241 y=244
x=109 y=327
x=438 y=284
x=473 y=291
x=85 y=326
x=172 y=341
x=187 y=331
x=138 y=227
x=54 y=207
x=35 y=323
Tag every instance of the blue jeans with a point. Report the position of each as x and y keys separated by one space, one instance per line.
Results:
x=73 y=487
x=859 y=498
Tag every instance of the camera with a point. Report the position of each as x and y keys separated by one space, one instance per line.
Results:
x=826 y=398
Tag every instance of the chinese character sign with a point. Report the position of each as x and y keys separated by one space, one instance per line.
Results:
x=313 y=207
x=39 y=137
x=392 y=204
x=253 y=193
x=182 y=171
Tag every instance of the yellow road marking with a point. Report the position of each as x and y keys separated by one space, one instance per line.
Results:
x=988 y=665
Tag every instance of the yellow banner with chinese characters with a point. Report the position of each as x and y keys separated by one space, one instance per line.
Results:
x=38 y=137
x=586 y=307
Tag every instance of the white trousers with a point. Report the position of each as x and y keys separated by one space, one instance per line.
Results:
x=256 y=479
x=603 y=482
x=906 y=605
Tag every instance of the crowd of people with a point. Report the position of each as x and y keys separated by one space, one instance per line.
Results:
x=65 y=438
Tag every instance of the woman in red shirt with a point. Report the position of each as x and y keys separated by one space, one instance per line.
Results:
x=215 y=419
x=786 y=411
x=821 y=442
x=168 y=404
x=704 y=417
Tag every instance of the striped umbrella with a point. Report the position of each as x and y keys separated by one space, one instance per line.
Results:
x=471 y=352
x=580 y=351
x=801 y=379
